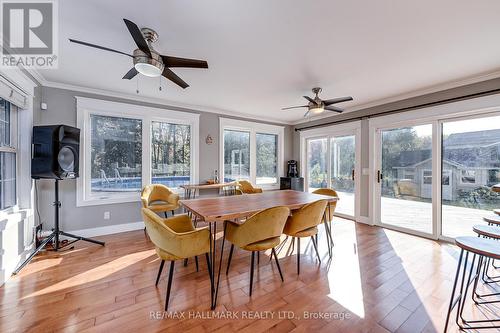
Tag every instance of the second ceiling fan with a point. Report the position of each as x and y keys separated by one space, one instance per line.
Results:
x=147 y=60
x=317 y=105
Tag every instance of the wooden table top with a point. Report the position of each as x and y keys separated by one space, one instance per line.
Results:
x=207 y=186
x=239 y=206
x=482 y=246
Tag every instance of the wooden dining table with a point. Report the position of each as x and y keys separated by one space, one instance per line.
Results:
x=190 y=190
x=224 y=208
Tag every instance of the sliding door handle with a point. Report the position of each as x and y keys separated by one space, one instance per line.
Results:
x=380 y=176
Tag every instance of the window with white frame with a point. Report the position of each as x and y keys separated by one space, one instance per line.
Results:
x=427 y=177
x=251 y=151
x=125 y=147
x=116 y=154
x=467 y=176
x=8 y=154
x=170 y=153
x=267 y=158
x=409 y=174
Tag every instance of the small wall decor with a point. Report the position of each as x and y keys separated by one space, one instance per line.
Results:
x=209 y=140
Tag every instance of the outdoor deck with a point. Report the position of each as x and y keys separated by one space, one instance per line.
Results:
x=418 y=215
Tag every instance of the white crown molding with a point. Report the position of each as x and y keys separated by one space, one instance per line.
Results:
x=36 y=75
x=157 y=101
x=415 y=93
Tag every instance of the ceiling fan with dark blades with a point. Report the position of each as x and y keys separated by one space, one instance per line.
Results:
x=147 y=60
x=317 y=105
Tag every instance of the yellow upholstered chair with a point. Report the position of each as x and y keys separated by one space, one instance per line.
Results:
x=176 y=238
x=304 y=223
x=159 y=198
x=246 y=187
x=330 y=210
x=259 y=232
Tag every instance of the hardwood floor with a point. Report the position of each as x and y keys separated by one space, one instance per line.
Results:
x=378 y=281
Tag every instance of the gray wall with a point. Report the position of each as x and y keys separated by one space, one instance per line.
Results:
x=62 y=110
x=470 y=90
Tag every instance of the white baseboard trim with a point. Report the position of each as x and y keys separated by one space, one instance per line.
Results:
x=364 y=219
x=108 y=230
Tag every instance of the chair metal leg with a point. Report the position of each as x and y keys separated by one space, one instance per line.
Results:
x=273 y=252
x=159 y=272
x=251 y=272
x=230 y=257
x=291 y=247
x=281 y=245
x=173 y=213
x=185 y=262
x=165 y=213
x=169 y=285
x=196 y=262
x=328 y=241
x=298 y=255
x=258 y=257
x=315 y=244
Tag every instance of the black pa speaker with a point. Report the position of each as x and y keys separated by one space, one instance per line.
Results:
x=56 y=151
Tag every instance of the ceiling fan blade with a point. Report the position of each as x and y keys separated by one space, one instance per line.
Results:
x=337 y=100
x=310 y=99
x=174 y=78
x=295 y=107
x=334 y=109
x=130 y=74
x=183 y=62
x=99 y=47
x=138 y=37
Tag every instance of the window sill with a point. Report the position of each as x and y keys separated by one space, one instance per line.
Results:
x=107 y=201
x=12 y=216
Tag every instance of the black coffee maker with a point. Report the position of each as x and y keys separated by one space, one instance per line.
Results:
x=293 y=171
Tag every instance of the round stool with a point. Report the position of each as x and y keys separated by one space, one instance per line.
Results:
x=492 y=220
x=492 y=232
x=481 y=248
x=487 y=231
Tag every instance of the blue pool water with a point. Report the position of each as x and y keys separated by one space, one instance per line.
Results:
x=135 y=183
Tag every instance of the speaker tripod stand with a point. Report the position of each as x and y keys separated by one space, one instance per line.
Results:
x=56 y=232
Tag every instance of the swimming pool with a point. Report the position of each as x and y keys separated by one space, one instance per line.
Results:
x=134 y=183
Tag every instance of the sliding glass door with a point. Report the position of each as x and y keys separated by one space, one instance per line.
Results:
x=317 y=168
x=331 y=162
x=405 y=178
x=470 y=166
x=434 y=178
x=342 y=172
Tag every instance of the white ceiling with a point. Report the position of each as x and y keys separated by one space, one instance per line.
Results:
x=265 y=54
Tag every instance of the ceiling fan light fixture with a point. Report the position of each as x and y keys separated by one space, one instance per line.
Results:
x=316 y=110
x=148 y=66
x=148 y=69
